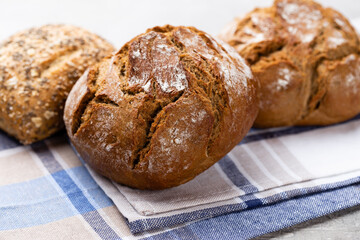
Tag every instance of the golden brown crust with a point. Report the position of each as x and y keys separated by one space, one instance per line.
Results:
x=38 y=67
x=164 y=108
x=289 y=46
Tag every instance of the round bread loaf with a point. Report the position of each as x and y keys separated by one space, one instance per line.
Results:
x=38 y=68
x=306 y=58
x=168 y=105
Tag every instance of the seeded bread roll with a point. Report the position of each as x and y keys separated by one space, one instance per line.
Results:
x=38 y=67
x=168 y=105
x=306 y=58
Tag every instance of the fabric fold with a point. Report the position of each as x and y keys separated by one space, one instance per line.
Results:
x=265 y=168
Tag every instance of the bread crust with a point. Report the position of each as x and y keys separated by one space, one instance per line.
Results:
x=38 y=67
x=297 y=50
x=168 y=105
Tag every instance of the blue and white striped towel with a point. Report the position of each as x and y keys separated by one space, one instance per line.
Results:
x=47 y=193
x=266 y=167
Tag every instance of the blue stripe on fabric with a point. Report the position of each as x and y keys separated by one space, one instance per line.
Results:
x=233 y=173
x=7 y=142
x=258 y=221
x=163 y=222
x=37 y=202
x=96 y=221
x=54 y=209
x=5 y=217
x=287 y=131
x=306 y=191
x=27 y=192
x=46 y=157
x=89 y=187
x=74 y=194
x=253 y=202
x=83 y=177
x=41 y=189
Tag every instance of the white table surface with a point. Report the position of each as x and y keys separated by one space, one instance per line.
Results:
x=119 y=21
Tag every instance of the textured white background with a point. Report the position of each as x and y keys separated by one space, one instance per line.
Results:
x=119 y=21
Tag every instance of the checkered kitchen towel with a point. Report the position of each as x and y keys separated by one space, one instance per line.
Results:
x=266 y=167
x=47 y=193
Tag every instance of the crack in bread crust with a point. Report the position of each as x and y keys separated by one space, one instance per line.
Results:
x=211 y=88
x=318 y=89
x=76 y=123
x=308 y=36
x=152 y=126
x=204 y=81
x=168 y=92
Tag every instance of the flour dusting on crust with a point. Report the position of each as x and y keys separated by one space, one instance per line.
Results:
x=161 y=63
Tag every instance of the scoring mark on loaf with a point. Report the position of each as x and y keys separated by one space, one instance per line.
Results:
x=163 y=67
x=219 y=70
x=178 y=144
x=310 y=34
x=155 y=117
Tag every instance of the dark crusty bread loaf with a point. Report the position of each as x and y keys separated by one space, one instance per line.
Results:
x=306 y=58
x=38 y=67
x=164 y=108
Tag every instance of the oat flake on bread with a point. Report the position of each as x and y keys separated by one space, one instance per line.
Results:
x=38 y=67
